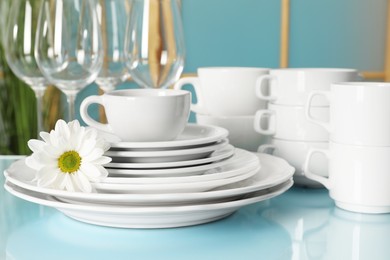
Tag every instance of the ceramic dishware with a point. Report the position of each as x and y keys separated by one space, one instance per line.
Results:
x=290 y=86
x=358 y=178
x=141 y=115
x=359 y=113
x=289 y=123
x=225 y=91
x=294 y=152
x=241 y=131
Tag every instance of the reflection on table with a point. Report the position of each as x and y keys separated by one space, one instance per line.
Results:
x=300 y=224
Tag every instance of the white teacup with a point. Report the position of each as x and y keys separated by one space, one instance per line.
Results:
x=225 y=91
x=359 y=113
x=291 y=86
x=241 y=131
x=289 y=123
x=294 y=152
x=359 y=176
x=141 y=115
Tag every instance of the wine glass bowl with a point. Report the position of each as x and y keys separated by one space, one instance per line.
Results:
x=112 y=15
x=68 y=45
x=19 y=49
x=154 y=43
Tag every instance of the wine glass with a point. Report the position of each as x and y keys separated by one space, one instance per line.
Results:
x=19 y=49
x=112 y=15
x=68 y=45
x=155 y=43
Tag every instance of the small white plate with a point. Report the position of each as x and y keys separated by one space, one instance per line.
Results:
x=147 y=217
x=220 y=154
x=161 y=188
x=273 y=171
x=192 y=135
x=238 y=156
x=248 y=162
x=165 y=156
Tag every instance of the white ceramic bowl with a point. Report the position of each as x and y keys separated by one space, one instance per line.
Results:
x=295 y=152
x=241 y=131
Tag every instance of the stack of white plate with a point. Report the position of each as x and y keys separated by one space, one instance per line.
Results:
x=194 y=179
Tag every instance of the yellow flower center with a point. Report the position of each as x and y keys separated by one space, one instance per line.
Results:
x=69 y=162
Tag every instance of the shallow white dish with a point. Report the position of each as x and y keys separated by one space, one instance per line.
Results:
x=161 y=188
x=247 y=163
x=192 y=135
x=273 y=171
x=165 y=155
x=238 y=156
x=220 y=154
x=147 y=217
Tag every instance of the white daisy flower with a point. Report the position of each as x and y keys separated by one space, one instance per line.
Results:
x=70 y=157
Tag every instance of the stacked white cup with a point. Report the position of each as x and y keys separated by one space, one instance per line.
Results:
x=359 y=146
x=226 y=98
x=284 y=120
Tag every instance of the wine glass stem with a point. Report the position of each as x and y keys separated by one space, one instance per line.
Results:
x=39 y=92
x=71 y=97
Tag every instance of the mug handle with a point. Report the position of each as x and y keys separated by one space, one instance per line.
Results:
x=308 y=107
x=259 y=87
x=323 y=180
x=194 y=81
x=266 y=148
x=89 y=120
x=260 y=114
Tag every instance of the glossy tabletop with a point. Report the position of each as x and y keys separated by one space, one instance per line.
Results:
x=299 y=224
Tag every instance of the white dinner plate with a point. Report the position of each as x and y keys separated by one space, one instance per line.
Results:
x=238 y=156
x=165 y=155
x=192 y=135
x=147 y=217
x=243 y=163
x=273 y=171
x=220 y=154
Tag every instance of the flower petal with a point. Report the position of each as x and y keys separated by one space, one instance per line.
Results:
x=81 y=181
x=87 y=147
x=93 y=155
x=46 y=176
x=35 y=145
x=102 y=160
x=92 y=172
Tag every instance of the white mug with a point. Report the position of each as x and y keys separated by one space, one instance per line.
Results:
x=359 y=113
x=141 y=115
x=289 y=123
x=291 y=86
x=225 y=91
x=294 y=152
x=241 y=131
x=359 y=176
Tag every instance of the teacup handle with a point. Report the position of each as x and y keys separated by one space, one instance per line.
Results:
x=266 y=148
x=271 y=122
x=89 y=120
x=308 y=107
x=194 y=81
x=323 y=180
x=260 y=85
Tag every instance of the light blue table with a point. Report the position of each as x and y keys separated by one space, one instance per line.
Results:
x=300 y=224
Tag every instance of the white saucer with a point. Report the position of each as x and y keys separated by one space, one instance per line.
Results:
x=165 y=155
x=220 y=154
x=273 y=171
x=161 y=188
x=248 y=162
x=238 y=157
x=192 y=135
x=147 y=217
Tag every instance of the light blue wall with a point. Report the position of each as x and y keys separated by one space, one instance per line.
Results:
x=323 y=33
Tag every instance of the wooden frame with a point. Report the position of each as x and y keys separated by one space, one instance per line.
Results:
x=284 y=44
